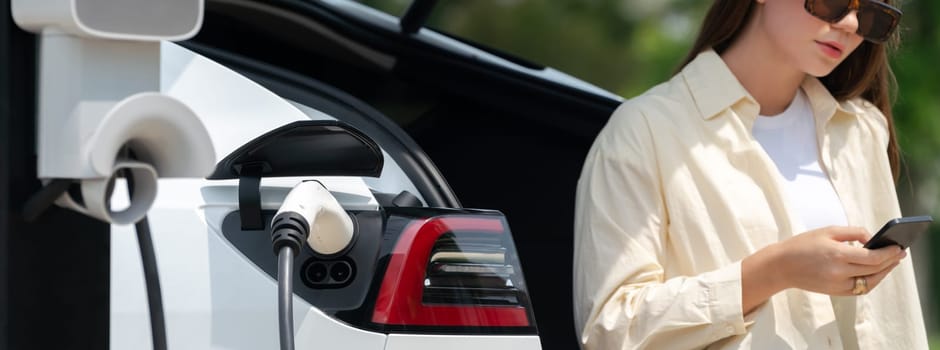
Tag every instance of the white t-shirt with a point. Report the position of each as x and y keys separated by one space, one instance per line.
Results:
x=789 y=139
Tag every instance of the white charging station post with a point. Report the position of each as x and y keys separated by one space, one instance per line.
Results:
x=101 y=114
x=99 y=83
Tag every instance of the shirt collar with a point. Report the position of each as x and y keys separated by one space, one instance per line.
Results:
x=714 y=88
x=824 y=105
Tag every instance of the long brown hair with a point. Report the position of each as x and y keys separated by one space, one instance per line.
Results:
x=864 y=73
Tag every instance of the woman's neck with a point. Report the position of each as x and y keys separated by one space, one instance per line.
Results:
x=763 y=71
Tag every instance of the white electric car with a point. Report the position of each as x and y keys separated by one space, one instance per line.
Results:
x=336 y=91
x=414 y=277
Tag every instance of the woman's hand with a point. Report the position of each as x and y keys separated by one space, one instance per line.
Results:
x=818 y=261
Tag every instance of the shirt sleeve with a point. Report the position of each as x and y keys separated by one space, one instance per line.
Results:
x=622 y=300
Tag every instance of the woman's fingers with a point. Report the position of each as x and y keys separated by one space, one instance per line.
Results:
x=872 y=281
x=848 y=234
x=864 y=270
x=871 y=257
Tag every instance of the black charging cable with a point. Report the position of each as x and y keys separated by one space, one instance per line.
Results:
x=288 y=234
x=285 y=292
x=42 y=200
x=46 y=196
x=148 y=259
x=152 y=279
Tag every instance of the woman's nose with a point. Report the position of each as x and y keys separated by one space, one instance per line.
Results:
x=849 y=23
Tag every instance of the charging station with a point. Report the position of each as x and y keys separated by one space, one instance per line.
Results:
x=81 y=106
x=44 y=285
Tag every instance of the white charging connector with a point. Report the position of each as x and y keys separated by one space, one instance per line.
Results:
x=308 y=214
x=313 y=211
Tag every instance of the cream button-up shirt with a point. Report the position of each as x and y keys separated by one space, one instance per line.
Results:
x=676 y=192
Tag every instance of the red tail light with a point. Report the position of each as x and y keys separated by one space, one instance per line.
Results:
x=454 y=271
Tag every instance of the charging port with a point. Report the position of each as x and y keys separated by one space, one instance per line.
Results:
x=328 y=274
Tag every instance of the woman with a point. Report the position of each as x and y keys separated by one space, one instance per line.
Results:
x=726 y=207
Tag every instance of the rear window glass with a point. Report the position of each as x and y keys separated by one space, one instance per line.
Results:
x=624 y=46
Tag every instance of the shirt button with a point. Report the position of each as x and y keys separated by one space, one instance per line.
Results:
x=729 y=330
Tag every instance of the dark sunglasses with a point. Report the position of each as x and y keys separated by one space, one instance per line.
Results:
x=876 y=19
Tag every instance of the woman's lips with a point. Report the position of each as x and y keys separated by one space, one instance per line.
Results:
x=830 y=48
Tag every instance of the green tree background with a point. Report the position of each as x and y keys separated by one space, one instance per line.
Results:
x=627 y=46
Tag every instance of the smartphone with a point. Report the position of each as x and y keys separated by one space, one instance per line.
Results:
x=902 y=231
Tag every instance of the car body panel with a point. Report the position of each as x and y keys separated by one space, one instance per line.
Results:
x=213 y=296
x=457 y=342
